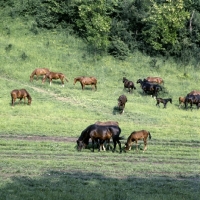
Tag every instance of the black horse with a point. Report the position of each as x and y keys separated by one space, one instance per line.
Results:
x=99 y=134
x=149 y=88
x=164 y=101
x=128 y=84
x=192 y=99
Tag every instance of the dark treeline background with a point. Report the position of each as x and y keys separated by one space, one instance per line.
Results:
x=169 y=28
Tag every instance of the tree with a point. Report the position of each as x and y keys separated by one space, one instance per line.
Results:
x=94 y=23
x=163 y=23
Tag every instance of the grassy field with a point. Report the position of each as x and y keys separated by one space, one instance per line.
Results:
x=38 y=152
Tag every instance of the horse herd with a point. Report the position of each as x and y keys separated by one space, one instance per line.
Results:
x=102 y=132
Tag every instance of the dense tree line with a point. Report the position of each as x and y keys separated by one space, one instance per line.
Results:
x=156 y=27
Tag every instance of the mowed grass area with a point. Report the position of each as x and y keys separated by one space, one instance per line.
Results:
x=38 y=155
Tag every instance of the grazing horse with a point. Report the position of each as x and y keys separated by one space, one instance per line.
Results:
x=99 y=134
x=164 y=101
x=155 y=80
x=54 y=75
x=181 y=101
x=20 y=94
x=128 y=84
x=86 y=81
x=39 y=71
x=121 y=103
x=135 y=136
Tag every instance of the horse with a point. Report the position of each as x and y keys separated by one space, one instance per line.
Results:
x=128 y=84
x=192 y=99
x=99 y=134
x=149 y=88
x=54 y=75
x=135 y=136
x=181 y=101
x=164 y=101
x=20 y=94
x=155 y=80
x=86 y=81
x=39 y=71
x=121 y=103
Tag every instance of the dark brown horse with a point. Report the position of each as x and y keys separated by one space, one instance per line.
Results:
x=20 y=94
x=164 y=101
x=135 y=136
x=128 y=84
x=38 y=72
x=99 y=134
x=121 y=103
x=86 y=81
x=54 y=75
x=155 y=80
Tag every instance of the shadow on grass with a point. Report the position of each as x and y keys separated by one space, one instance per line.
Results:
x=95 y=186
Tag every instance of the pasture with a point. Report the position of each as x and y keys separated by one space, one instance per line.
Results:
x=39 y=159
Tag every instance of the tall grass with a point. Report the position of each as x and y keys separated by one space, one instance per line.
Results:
x=49 y=169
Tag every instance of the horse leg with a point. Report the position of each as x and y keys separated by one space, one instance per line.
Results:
x=136 y=145
x=145 y=144
x=82 y=86
x=114 y=141
x=62 y=81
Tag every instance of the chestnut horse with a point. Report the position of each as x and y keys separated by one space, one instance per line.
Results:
x=38 y=72
x=20 y=94
x=181 y=101
x=86 y=81
x=135 y=136
x=55 y=75
x=155 y=80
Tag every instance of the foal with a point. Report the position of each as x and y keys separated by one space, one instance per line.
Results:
x=164 y=101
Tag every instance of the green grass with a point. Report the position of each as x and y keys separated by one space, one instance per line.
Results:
x=37 y=159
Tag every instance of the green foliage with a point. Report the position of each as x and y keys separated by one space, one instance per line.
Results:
x=118 y=49
x=94 y=21
x=164 y=22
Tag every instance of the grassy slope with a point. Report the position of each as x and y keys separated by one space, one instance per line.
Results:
x=172 y=160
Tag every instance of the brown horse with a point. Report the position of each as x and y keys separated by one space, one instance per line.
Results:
x=55 y=75
x=20 y=94
x=155 y=80
x=115 y=123
x=121 y=103
x=194 y=92
x=135 y=136
x=86 y=81
x=164 y=101
x=38 y=72
x=128 y=84
x=181 y=101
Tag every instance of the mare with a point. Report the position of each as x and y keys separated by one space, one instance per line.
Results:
x=181 y=101
x=128 y=84
x=164 y=101
x=99 y=134
x=121 y=103
x=20 y=94
x=155 y=80
x=86 y=81
x=38 y=72
x=149 y=88
x=54 y=75
x=135 y=136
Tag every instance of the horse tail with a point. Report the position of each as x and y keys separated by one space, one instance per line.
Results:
x=32 y=74
x=149 y=135
x=66 y=79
